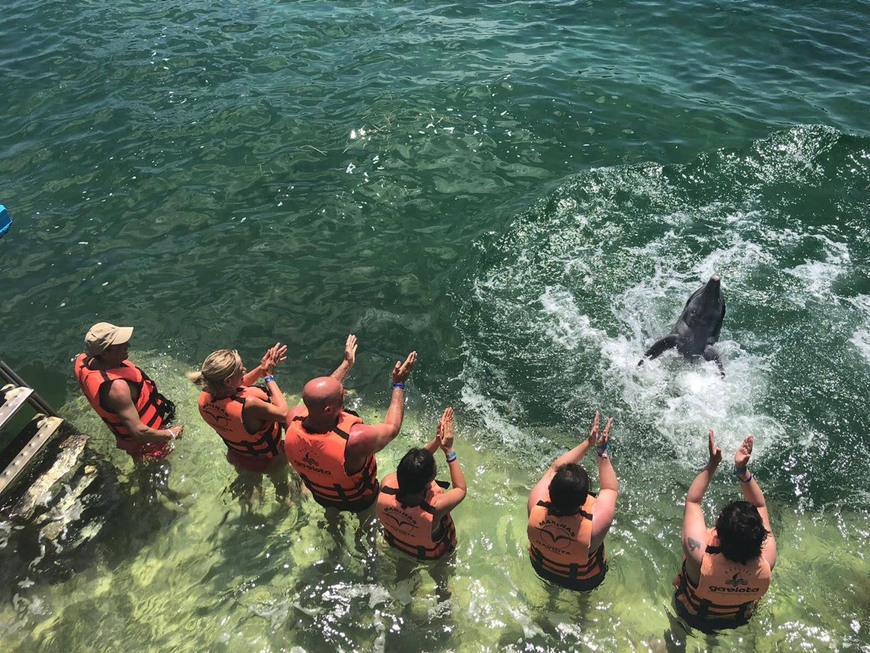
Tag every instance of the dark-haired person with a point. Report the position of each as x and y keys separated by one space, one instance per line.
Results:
x=727 y=568
x=413 y=509
x=567 y=524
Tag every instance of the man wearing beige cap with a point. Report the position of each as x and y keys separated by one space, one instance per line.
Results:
x=123 y=395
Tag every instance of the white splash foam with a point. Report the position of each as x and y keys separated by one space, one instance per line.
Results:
x=819 y=276
x=482 y=404
x=684 y=399
x=861 y=336
x=563 y=321
x=680 y=399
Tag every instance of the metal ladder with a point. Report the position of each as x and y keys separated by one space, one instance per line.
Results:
x=17 y=456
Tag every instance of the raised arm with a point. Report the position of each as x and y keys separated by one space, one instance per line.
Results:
x=433 y=445
x=120 y=402
x=752 y=493
x=367 y=439
x=574 y=455
x=694 y=530
x=264 y=411
x=346 y=365
x=447 y=501
x=257 y=412
x=605 y=506
x=277 y=353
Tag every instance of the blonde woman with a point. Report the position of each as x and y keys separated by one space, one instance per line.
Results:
x=248 y=419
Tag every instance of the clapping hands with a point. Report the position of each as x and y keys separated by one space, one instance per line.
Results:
x=444 y=433
x=599 y=439
x=274 y=355
x=401 y=371
x=741 y=458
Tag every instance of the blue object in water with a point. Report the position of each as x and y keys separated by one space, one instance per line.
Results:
x=5 y=221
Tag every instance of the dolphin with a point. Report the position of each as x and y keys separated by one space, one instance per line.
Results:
x=698 y=327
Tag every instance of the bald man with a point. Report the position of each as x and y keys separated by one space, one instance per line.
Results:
x=332 y=450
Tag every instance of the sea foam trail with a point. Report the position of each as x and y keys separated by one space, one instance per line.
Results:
x=564 y=303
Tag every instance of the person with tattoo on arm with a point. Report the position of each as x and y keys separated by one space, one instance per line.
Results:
x=726 y=569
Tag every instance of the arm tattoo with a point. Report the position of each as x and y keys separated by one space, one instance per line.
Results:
x=693 y=544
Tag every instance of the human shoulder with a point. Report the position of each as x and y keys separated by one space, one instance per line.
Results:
x=297 y=413
x=250 y=395
x=252 y=392
x=118 y=393
x=85 y=372
x=350 y=418
x=354 y=425
x=695 y=548
x=540 y=494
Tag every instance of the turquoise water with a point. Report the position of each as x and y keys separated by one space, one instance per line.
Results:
x=525 y=193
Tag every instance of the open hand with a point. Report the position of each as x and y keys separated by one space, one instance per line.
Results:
x=593 y=432
x=596 y=438
x=350 y=350
x=401 y=371
x=741 y=458
x=605 y=434
x=715 y=451
x=274 y=355
x=445 y=430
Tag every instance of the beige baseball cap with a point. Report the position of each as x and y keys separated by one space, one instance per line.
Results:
x=103 y=335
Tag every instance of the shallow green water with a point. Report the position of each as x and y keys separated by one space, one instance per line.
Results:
x=523 y=192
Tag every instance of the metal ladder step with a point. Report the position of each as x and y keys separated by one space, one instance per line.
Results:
x=44 y=426
x=14 y=397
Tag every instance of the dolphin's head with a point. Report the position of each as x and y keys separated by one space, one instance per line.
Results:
x=712 y=290
x=706 y=307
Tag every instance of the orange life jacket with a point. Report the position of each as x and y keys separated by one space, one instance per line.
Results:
x=224 y=415
x=154 y=409
x=319 y=459
x=559 y=546
x=409 y=528
x=727 y=591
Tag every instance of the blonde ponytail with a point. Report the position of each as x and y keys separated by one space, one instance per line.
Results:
x=217 y=368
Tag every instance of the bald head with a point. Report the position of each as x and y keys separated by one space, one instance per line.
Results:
x=323 y=394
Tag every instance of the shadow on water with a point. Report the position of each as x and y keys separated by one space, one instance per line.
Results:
x=326 y=583
x=51 y=533
x=143 y=507
x=547 y=616
x=98 y=520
